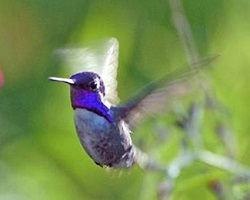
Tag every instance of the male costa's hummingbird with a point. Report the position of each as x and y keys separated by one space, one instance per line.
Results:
x=103 y=127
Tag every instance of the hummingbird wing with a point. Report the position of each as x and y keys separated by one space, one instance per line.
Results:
x=109 y=71
x=100 y=57
x=158 y=95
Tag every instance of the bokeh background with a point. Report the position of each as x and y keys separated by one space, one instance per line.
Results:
x=40 y=155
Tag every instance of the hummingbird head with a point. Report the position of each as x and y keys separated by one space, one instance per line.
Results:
x=87 y=82
x=87 y=91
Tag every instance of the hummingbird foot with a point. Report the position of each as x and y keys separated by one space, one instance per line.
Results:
x=127 y=160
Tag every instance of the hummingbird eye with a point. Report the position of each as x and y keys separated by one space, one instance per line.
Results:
x=94 y=85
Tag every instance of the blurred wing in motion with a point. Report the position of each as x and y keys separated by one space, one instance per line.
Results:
x=158 y=95
x=100 y=57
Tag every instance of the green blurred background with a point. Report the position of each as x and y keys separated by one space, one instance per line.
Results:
x=40 y=155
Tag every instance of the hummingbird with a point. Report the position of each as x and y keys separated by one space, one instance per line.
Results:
x=103 y=126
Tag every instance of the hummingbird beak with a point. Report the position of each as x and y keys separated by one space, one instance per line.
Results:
x=64 y=80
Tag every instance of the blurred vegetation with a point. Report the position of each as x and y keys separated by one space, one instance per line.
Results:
x=40 y=155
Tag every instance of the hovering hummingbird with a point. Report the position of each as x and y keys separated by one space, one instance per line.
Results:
x=103 y=127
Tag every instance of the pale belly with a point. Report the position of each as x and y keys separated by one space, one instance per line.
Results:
x=107 y=144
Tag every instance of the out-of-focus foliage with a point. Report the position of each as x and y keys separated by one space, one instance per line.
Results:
x=40 y=155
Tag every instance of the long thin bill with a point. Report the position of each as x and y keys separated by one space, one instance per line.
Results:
x=64 y=80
